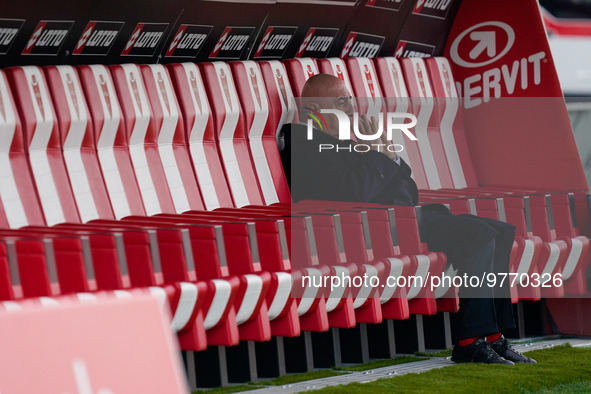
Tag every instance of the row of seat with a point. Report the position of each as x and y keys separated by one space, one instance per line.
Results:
x=548 y=239
x=194 y=147
x=108 y=145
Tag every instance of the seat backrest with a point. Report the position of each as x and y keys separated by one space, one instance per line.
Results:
x=366 y=87
x=42 y=142
x=336 y=66
x=198 y=121
x=172 y=141
x=102 y=254
x=77 y=141
x=111 y=141
x=279 y=93
x=397 y=100
x=230 y=133
x=261 y=131
x=299 y=71
x=18 y=197
x=426 y=130
x=32 y=265
x=142 y=138
x=451 y=124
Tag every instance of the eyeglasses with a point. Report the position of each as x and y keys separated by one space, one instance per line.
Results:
x=343 y=101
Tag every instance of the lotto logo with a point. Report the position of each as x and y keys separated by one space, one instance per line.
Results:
x=9 y=29
x=274 y=42
x=232 y=43
x=97 y=38
x=362 y=45
x=413 y=49
x=432 y=8
x=317 y=42
x=48 y=38
x=188 y=41
x=145 y=39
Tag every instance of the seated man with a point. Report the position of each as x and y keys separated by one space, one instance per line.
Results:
x=472 y=244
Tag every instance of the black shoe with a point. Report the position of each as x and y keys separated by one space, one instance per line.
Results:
x=478 y=352
x=504 y=349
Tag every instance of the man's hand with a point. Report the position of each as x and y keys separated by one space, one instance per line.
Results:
x=370 y=127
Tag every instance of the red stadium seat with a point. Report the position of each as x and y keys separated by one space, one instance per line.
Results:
x=172 y=139
x=105 y=261
x=301 y=241
x=111 y=141
x=198 y=120
x=270 y=247
x=394 y=90
x=128 y=140
x=336 y=249
x=42 y=143
x=17 y=188
x=436 y=164
x=299 y=70
x=231 y=134
x=191 y=302
x=366 y=86
x=142 y=138
x=336 y=67
x=77 y=141
x=458 y=158
x=261 y=130
x=279 y=93
x=32 y=265
x=427 y=129
x=250 y=305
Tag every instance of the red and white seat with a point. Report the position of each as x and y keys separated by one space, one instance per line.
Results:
x=142 y=138
x=396 y=100
x=203 y=149
x=336 y=67
x=556 y=251
x=182 y=297
x=458 y=158
x=42 y=143
x=76 y=137
x=172 y=142
x=111 y=141
x=129 y=140
x=198 y=121
x=279 y=93
x=17 y=189
x=429 y=145
x=299 y=71
x=261 y=130
x=365 y=86
x=231 y=135
x=427 y=129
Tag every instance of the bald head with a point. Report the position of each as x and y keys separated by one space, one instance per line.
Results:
x=325 y=91
x=322 y=85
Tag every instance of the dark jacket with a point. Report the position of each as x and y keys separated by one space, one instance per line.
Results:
x=345 y=175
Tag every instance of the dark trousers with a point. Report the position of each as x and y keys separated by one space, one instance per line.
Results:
x=474 y=245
